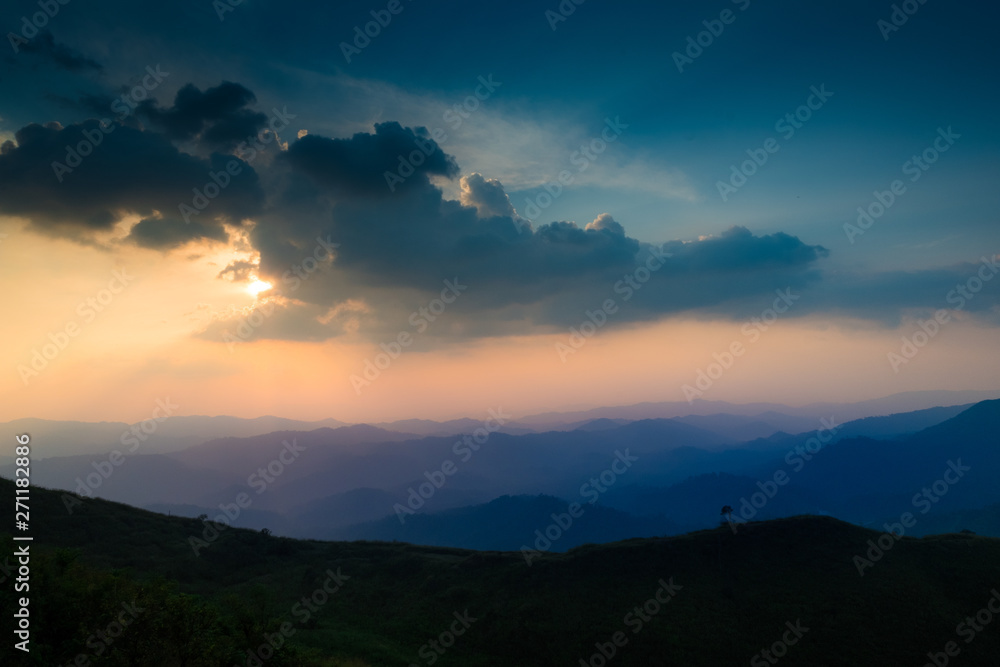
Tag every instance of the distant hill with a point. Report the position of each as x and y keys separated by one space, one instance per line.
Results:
x=855 y=478
x=741 y=428
x=887 y=405
x=873 y=478
x=247 y=454
x=901 y=423
x=70 y=438
x=684 y=473
x=730 y=596
x=735 y=422
x=507 y=523
x=139 y=480
x=451 y=427
x=324 y=516
x=598 y=425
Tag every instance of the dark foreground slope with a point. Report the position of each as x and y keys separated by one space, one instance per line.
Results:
x=733 y=595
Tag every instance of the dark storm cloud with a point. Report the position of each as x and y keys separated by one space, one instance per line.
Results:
x=216 y=118
x=46 y=47
x=359 y=164
x=397 y=248
x=121 y=170
x=885 y=297
x=167 y=233
x=414 y=238
x=738 y=249
x=410 y=240
x=724 y=275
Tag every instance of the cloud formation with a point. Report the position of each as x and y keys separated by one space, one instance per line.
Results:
x=84 y=178
x=359 y=164
x=216 y=119
x=398 y=240
x=396 y=247
x=487 y=196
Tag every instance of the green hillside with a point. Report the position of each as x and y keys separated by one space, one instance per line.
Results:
x=732 y=596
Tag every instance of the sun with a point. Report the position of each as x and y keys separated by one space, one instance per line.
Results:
x=258 y=286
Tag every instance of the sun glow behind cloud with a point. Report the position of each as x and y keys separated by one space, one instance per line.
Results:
x=258 y=286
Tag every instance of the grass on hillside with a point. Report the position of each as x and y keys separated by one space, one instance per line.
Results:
x=737 y=591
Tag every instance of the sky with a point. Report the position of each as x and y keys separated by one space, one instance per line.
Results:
x=386 y=210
